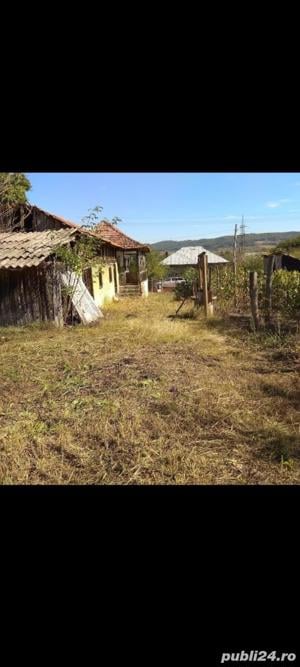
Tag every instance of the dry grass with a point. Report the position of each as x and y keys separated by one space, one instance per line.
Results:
x=143 y=398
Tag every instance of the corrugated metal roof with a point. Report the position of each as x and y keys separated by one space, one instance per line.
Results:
x=111 y=234
x=25 y=249
x=189 y=256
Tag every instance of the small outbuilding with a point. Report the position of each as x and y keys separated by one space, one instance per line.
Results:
x=34 y=282
x=29 y=286
x=281 y=261
x=187 y=258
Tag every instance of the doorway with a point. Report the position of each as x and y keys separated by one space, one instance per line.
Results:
x=88 y=280
x=115 y=279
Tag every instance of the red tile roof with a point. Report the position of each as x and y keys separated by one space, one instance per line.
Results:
x=106 y=230
x=111 y=234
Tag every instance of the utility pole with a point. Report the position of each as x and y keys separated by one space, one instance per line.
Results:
x=242 y=235
x=234 y=263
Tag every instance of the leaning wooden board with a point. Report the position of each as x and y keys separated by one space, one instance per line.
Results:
x=81 y=298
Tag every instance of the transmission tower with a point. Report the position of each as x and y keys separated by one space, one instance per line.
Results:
x=242 y=236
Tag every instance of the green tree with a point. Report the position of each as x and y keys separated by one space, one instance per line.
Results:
x=13 y=189
x=156 y=270
x=85 y=254
x=290 y=246
x=186 y=289
x=91 y=221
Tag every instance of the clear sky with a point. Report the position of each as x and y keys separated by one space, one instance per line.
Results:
x=177 y=206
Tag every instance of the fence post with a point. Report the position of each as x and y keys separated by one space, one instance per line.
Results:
x=269 y=271
x=254 y=298
x=200 y=273
x=205 y=288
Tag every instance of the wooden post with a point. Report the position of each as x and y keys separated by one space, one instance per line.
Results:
x=254 y=298
x=204 y=263
x=200 y=272
x=58 y=315
x=269 y=271
x=234 y=265
x=138 y=271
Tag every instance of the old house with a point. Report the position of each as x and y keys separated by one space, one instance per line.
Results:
x=131 y=259
x=101 y=280
x=124 y=258
x=31 y=288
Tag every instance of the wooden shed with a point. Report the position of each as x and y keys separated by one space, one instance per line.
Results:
x=280 y=260
x=30 y=277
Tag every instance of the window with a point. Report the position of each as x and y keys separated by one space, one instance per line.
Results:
x=100 y=280
x=110 y=274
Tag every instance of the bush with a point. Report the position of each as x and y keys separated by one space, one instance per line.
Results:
x=286 y=293
x=223 y=284
x=186 y=289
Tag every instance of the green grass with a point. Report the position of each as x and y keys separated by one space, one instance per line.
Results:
x=143 y=398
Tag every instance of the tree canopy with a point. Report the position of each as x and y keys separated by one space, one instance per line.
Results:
x=155 y=268
x=288 y=244
x=91 y=220
x=13 y=189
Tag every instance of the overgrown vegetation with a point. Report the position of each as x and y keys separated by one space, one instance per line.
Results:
x=187 y=288
x=74 y=259
x=145 y=399
x=285 y=289
x=291 y=246
x=156 y=270
x=13 y=189
x=286 y=293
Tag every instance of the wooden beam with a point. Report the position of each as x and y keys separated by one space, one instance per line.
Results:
x=204 y=267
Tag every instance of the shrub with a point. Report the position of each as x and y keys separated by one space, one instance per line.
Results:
x=286 y=293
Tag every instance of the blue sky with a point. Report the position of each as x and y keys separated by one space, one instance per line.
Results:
x=159 y=206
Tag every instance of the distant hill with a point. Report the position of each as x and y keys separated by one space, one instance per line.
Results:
x=252 y=241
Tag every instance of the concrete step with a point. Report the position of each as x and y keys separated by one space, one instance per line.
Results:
x=129 y=290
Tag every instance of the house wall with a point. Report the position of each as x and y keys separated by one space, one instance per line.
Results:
x=144 y=287
x=30 y=295
x=105 y=294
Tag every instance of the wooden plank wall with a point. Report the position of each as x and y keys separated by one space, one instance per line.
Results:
x=29 y=295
